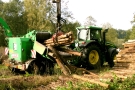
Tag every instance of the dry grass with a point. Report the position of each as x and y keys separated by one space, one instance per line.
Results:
x=22 y=82
x=26 y=81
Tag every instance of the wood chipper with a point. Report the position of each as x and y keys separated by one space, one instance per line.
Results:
x=38 y=52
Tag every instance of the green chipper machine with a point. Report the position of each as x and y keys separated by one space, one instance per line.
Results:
x=39 y=51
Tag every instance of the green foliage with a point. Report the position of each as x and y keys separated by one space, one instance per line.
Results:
x=69 y=86
x=132 y=35
x=111 y=36
x=121 y=34
x=128 y=33
x=35 y=11
x=80 y=86
x=118 y=84
x=71 y=26
x=13 y=13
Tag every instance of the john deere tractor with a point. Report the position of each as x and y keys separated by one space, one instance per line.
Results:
x=95 y=50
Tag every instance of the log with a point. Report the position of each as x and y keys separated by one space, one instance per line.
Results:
x=71 y=52
x=60 y=40
x=65 y=39
x=119 y=56
x=51 y=54
x=74 y=53
x=56 y=44
x=91 y=74
x=67 y=35
x=60 y=62
x=124 y=65
x=89 y=80
x=122 y=61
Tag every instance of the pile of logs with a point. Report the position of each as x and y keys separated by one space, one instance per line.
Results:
x=60 y=39
x=126 y=56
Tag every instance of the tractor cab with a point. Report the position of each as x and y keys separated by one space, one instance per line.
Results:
x=87 y=34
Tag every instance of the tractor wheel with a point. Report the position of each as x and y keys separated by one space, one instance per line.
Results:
x=112 y=58
x=93 y=57
x=33 y=68
x=41 y=67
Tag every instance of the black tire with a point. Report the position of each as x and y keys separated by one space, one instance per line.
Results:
x=33 y=68
x=41 y=67
x=93 y=57
x=112 y=58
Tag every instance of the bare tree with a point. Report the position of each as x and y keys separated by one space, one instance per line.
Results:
x=90 y=21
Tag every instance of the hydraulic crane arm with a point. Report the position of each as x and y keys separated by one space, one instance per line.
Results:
x=6 y=28
x=58 y=2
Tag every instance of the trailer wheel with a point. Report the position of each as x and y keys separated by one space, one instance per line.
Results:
x=93 y=57
x=112 y=58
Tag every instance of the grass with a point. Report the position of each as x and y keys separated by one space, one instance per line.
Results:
x=22 y=82
x=115 y=84
x=9 y=81
x=118 y=84
x=80 y=86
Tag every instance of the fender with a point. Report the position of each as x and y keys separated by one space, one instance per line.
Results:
x=111 y=50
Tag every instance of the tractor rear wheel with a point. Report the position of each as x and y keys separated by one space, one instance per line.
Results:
x=93 y=57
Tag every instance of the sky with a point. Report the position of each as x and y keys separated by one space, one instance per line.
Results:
x=118 y=13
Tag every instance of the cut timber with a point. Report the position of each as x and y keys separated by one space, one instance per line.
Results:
x=63 y=39
x=89 y=80
x=122 y=61
x=59 y=40
x=71 y=51
x=60 y=62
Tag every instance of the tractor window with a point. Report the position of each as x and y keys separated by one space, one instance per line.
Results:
x=84 y=34
x=95 y=35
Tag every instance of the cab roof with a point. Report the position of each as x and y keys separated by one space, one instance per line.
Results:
x=90 y=27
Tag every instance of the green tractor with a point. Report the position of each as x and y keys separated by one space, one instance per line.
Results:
x=95 y=50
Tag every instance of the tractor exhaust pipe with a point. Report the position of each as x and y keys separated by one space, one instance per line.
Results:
x=104 y=37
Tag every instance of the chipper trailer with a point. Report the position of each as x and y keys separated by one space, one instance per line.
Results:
x=38 y=52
